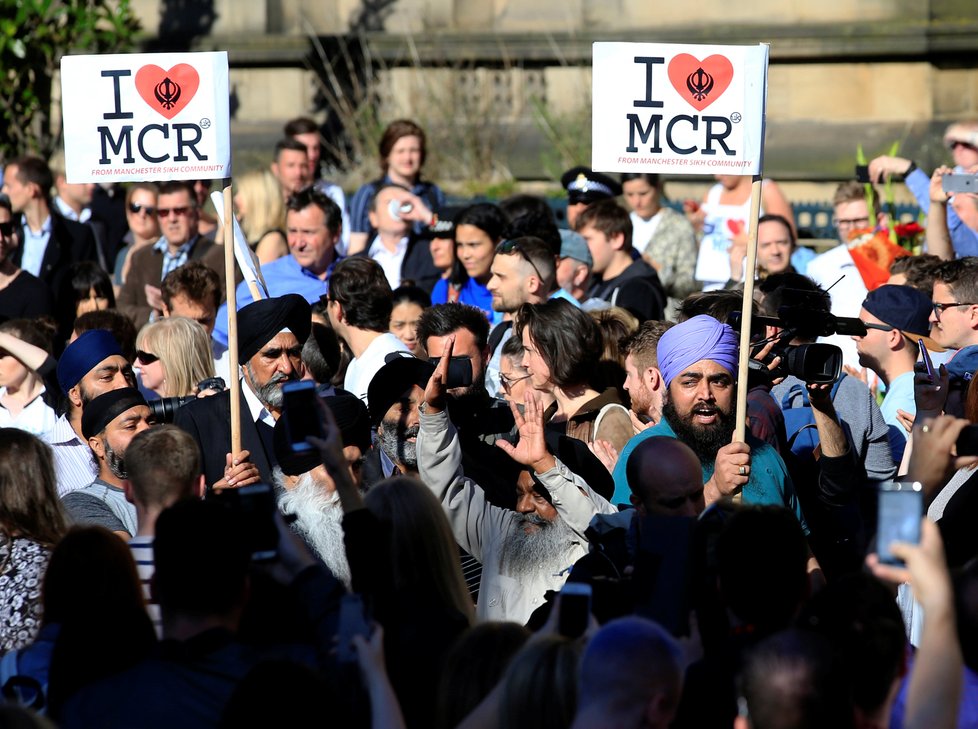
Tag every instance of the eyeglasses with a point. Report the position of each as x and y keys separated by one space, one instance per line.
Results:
x=137 y=208
x=513 y=246
x=7 y=229
x=851 y=222
x=179 y=212
x=508 y=382
x=145 y=358
x=939 y=308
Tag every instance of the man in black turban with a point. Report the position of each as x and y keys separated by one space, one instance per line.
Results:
x=271 y=333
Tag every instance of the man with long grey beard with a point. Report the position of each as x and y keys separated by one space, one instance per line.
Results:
x=526 y=552
x=271 y=333
x=307 y=492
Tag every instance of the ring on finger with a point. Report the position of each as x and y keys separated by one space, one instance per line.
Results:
x=742 y=471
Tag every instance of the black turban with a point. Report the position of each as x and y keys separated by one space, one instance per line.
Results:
x=260 y=321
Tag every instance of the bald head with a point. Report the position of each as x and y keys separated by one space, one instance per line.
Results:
x=665 y=477
x=631 y=675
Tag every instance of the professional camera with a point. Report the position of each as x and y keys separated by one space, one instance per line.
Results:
x=165 y=408
x=801 y=315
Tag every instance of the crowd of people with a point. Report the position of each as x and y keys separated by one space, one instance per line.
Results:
x=511 y=493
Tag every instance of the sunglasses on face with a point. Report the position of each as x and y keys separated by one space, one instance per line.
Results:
x=881 y=327
x=179 y=212
x=145 y=358
x=940 y=308
x=137 y=208
x=508 y=382
x=7 y=229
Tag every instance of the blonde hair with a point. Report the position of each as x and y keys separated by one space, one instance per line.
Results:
x=264 y=209
x=423 y=549
x=184 y=350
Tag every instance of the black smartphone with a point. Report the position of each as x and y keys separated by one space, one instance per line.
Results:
x=353 y=621
x=257 y=506
x=901 y=507
x=862 y=173
x=300 y=413
x=959 y=183
x=928 y=364
x=575 y=609
x=459 y=371
x=967 y=444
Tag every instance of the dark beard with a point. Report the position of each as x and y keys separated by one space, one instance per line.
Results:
x=115 y=461
x=705 y=442
x=394 y=442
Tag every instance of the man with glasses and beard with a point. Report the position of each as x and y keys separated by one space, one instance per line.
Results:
x=526 y=552
x=698 y=362
x=271 y=333
x=109 y=422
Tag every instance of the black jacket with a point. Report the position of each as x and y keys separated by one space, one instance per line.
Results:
x=417 y=267
x=636 y=289
x=70 y=242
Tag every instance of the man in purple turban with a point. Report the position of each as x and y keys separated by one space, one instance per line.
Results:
x=698 y=361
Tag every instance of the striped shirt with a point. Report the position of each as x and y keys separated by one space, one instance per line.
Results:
x=142 y=554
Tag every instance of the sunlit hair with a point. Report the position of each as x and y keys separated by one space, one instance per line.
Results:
x=567 y=339
x=149 y=187
x=423 y=551
x=396 y=130
x=184 y=350
x=540 y=686
x=29 y=503
x=262 y=198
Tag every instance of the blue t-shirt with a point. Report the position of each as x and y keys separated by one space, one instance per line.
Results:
x=472 y=293
x=768 y=484
x=282 y=276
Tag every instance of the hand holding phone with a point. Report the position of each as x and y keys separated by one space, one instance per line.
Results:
x=901 y=507
x=575 y=609
x=928 y=364
x=353 y=621
x=301 y=413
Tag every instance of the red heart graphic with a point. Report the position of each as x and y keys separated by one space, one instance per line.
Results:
x=167 y=92
x=735 y=226
x=700 y=82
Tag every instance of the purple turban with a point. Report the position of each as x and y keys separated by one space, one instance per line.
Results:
x=701 y=337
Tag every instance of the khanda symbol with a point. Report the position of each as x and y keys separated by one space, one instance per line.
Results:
x=167 y=93
x=700 y=84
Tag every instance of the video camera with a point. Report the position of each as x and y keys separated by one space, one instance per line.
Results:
x=801 y=315
x=164 y=409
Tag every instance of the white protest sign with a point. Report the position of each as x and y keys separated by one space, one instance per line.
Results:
x=678 y=109
x=146 y=116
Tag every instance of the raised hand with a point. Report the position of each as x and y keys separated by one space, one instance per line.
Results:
x=531 y=450
x=434 y=391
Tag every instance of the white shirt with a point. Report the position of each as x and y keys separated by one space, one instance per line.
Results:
x=222 y=361
x=69 y=212
x=259 y=413
x=37 y=417
x=363 y=368
x=643 y=230
x=390 y=262
x=35 y=244
x=74 y=466
x=847 y=295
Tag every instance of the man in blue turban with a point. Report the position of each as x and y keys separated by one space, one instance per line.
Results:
x=698 y=361
x=90 y=366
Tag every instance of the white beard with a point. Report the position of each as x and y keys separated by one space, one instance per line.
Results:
x=544 y=551
x=319 y=521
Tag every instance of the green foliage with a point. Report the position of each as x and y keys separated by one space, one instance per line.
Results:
x=568 y=137
x=34 y=35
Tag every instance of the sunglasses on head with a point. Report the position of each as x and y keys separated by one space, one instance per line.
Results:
x=513 y=246
x=179 y=212
x=145 y=357
x=137 y=208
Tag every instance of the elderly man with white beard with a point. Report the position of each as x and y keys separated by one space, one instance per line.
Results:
x=308 y=493
x=524 y=553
